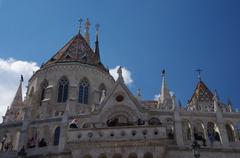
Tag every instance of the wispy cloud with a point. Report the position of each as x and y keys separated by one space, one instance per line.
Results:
x=10 y=72
x=125 y=72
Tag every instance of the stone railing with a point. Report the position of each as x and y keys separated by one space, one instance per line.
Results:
x=117 y=134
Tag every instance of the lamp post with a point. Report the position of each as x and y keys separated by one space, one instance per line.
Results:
x=195 y=149
x=22 y=153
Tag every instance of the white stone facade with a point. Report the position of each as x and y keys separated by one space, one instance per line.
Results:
x=113 y=123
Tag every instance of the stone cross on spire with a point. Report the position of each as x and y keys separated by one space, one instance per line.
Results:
x=199 y=71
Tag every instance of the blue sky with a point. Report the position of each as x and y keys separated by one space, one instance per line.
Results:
x=143 y=36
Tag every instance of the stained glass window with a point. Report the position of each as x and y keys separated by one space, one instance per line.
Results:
x=83 y=91
x=63 y=90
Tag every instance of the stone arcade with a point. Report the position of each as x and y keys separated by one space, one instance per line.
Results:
x=75 y=109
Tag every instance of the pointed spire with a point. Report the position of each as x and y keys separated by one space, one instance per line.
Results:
x=229 y=105
x=87 y=36
x=139 y=95
x=119 y=71
x=80 y=25
x=216 y=101
x=97 y=51
x=17 y=101
x=165 y=94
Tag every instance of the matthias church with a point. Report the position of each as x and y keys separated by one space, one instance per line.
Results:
x=75 y=109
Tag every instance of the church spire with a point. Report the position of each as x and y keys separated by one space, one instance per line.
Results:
x=87 y=36
x=165 y=94
x=17 y=101
x=97 y=51
x=80 y=25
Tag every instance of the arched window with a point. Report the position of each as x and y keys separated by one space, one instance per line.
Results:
x=56 y=136
x=44 y=86
x=213 y=134
x=230 y=133
x=63 y=90
x=83 y=91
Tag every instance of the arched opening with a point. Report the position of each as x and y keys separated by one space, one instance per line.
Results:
x=63 y=90
x=213 y=132
x=148 y=155
x=117 y=155
x=44 y=86
x=83 y=91
x=102 y=155
x=56 y=136
x=198 y=132
x=154 y=121
x=87 y=156
x=238 y=130
x=132 y=155
x=16 y=140
x=187 y=130
x=32 y=137
x=103 y=92
x=118 y=120
x=230 y=133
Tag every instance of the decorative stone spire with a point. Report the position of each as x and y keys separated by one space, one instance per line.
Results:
x=17 y=101
x=229 y=105
x=139 y=95
x=97 y=51
x=87 y=36
x=80 y=25
x=216 y=101
x=119 y=71
x=165 y=94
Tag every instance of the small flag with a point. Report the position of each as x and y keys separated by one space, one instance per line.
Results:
x=21 y=78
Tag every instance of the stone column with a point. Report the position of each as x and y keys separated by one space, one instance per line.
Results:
x=178 y=129
x=72 y=99
x=222 y=128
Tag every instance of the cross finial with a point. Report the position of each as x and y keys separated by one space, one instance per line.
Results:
x=80 y=25
x=97 y=26
x=199 y=71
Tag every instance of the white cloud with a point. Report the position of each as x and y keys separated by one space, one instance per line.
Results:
x=125 y=72
x=156 y=96
x=10 y=72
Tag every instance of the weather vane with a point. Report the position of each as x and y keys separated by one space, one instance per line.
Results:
x=80 y=25
x=199 y=71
